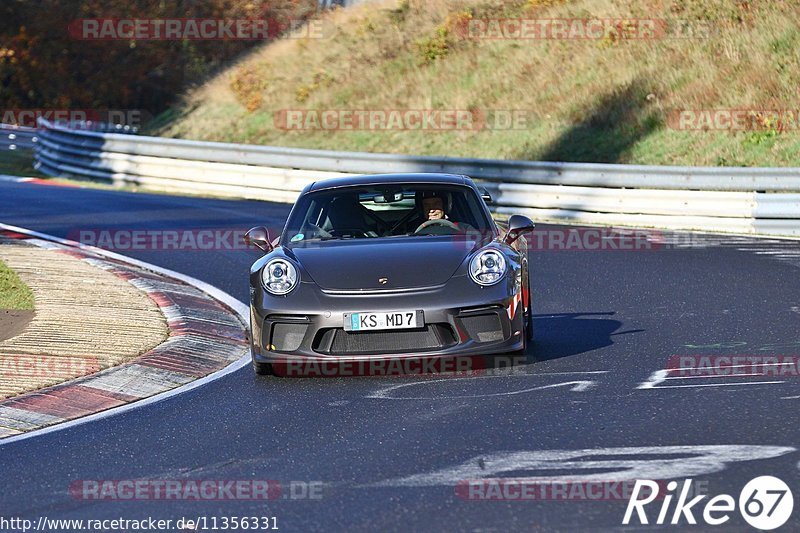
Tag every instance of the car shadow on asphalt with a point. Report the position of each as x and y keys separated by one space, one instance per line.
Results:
x=563 y=335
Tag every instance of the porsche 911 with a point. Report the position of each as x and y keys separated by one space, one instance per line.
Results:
x=390 y=266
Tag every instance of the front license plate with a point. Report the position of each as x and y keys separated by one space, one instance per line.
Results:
x=383 y=321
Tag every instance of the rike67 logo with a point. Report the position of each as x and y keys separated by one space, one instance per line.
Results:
x=765 y=503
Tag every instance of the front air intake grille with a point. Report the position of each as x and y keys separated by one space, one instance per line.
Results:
x=288 y=337
x=431 y=337
x=483 y=328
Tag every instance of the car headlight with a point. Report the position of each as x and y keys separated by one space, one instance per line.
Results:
x=487 y=267
x=279 y=276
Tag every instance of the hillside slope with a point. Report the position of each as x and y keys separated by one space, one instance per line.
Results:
x=607 y=99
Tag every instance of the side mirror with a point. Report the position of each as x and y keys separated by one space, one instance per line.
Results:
x=517 y=225
x=258 y=236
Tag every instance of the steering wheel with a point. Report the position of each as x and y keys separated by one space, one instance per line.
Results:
x=437 y=222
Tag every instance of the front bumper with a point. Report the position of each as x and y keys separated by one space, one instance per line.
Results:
x=460 y=317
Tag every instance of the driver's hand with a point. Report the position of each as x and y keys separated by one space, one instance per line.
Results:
x=435 y=214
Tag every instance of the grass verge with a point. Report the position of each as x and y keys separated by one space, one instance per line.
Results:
x=14 y=294
x=15 y=163
x=611 y=99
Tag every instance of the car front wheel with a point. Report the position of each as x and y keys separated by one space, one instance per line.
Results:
x=262 y=369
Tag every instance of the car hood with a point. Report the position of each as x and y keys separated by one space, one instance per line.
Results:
x=404 y=263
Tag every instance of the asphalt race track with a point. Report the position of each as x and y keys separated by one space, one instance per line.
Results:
x=388 y=451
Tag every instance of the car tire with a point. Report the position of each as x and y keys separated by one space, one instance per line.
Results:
x=529 y=328
x=529 y=315
x=525 y=342
x=263 y=369
x=527 y=325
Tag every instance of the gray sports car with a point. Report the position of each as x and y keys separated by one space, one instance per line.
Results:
x=390 y=266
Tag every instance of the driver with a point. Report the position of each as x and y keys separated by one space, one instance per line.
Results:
x=433 y=208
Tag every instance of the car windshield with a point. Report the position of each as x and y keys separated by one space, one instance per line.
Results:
x=385 y=211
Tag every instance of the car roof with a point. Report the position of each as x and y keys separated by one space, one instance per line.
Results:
x=381 y=179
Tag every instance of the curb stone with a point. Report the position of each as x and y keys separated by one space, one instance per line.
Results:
x=204 y=337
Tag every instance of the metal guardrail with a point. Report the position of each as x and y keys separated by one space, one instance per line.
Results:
x=742 y=200
x=18 y=137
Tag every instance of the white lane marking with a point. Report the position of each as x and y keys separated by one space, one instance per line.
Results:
x=240 y=308
x=790 y=398
x=385 y=393
x=15 y=179
x=626 y=464
x=718 y=376
x=731 y=366
x=520 y=372
x=720 y=384
x=569 y=373
x=659 y=376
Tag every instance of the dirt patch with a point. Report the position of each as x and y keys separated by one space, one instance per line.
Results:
x=13 y=322
x=87 y=317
